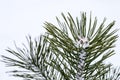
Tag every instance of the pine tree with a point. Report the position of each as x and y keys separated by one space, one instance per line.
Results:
x=72 y=50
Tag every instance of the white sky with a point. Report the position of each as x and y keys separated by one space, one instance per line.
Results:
x=18 y=18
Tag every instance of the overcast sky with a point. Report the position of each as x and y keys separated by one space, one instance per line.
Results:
x=18 y=18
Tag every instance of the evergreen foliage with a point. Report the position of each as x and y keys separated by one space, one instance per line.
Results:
x=72 y=50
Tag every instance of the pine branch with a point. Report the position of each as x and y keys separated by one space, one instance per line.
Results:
x=72 y=50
